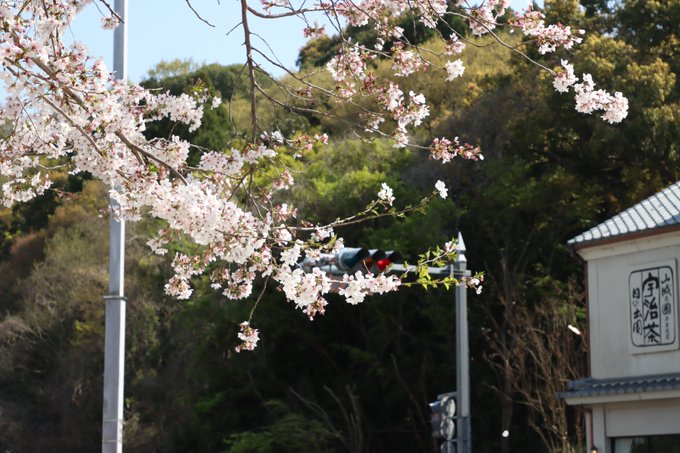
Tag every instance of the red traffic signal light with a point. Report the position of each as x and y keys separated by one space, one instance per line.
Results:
x=390 y=257
x=379 y=260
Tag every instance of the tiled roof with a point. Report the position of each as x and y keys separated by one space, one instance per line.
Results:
x=598 y=387
x=660 y=210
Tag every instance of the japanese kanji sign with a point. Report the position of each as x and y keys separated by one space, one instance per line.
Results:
x=653 y=307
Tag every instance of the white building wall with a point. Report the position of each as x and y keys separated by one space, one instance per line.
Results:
x=643 y=418
x=609 y=268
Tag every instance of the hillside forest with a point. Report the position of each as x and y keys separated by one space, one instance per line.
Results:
x=359 y=378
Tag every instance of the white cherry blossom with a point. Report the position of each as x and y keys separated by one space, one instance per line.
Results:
x=386 y=194
x=441 y=188
x=454 y=69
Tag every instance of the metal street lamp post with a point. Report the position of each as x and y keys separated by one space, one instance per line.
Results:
x=462 y=353
x=114 y=336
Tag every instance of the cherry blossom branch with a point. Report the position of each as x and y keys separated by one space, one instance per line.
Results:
x=297 y=12
x=197 y=14
x=251 y=68
x=111 y=10
x=87 y=136
x=364 y=216
x=140 y=150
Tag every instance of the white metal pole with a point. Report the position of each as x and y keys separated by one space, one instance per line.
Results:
x=462 y=355
x=114 y=341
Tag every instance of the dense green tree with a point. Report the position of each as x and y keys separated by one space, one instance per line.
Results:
x=358 y=379
x=551 y=173
x=52 y=335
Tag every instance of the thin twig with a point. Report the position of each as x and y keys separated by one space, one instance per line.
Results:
x=198 y=15
x=296 y=12
x=111 y=10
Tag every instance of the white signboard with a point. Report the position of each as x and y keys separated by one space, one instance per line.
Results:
x=653 y=307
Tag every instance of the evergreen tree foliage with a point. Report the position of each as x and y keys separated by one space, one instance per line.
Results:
x=358 y=379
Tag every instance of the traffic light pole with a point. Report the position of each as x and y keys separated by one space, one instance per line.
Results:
x=349 y=258
x=114 y=329
x=462 y=354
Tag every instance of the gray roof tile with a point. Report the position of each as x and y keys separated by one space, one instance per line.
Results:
x=660 y=210
x=598 y=387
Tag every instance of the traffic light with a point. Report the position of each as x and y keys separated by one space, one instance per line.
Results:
x=349 y=260
x=448 y=422
x=436 y=418
x=379 y=261
x=443 y=421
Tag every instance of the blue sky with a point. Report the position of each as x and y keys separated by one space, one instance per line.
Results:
x=167 y=29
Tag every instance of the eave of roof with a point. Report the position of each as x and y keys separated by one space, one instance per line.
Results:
x=590 y=387
x=657 y=214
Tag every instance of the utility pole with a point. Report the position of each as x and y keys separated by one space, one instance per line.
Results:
x=462 y=354
x=114 y=333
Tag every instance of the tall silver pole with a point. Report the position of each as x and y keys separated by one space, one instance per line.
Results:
x=114 y=341
x=462 y=355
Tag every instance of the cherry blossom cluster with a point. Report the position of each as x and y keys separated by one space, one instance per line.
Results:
x=453 y=45
x=441 y=189
x=386 y=194
x=454 y=69
x=66 y=108
x=349 y=69
x=359 y=285
x=550 y=37
x=472 y=281
x=382 y=13
x=588 y=99
x=445 y=150
x=248 y=336
x=484 y=18
x=395 y=114
x=406 y=62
